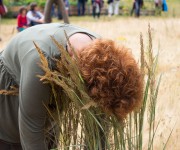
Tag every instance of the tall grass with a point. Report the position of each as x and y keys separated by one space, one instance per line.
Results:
x=136 y=120
x=81 y=124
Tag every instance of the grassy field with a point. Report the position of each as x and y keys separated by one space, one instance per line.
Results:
x=126 y=31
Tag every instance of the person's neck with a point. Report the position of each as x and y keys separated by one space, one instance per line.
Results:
x=79 y=41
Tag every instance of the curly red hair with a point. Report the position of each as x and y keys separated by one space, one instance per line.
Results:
x=112 y=76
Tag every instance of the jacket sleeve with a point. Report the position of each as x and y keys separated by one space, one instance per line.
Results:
x=33 y=95
x=40 y=14
x=31 y=17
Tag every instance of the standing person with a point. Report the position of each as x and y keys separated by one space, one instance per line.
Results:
x=138 y=5
x=53 y=12
x=164 y=6
x=113 y=7
x=157 y=3
x=2 y=8
x=34 y=16
x=116 y=7
x=81 y=7
x=96 y=8
x=158 y=6
x=110 y=7
x=3 y=11
x=66 y=4
x=110 y=73
x=22 y=19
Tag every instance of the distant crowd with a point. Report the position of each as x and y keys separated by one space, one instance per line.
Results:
x=113 y=7
x=33 y=16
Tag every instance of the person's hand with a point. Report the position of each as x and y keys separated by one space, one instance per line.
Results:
x=25 y=27
x=41 y=20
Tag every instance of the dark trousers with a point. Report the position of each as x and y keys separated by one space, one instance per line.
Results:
x=9 y=146
x=33 y=23
x=81 y=8
x=137 y=8
x=95 y=13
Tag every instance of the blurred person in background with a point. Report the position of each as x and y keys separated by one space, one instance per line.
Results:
x=53 y=10
x=158 y=3
x=138 y=5
x=22 y=19
x=81 y=7
x=3 y=11
x=116 y=7
x=164 y=6
x=113 y=7
x=66 y=4
x=34 y=16
x=96 y=7
x=158 y=6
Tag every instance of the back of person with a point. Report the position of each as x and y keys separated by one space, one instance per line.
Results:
x=19 y=65
x=23 y=44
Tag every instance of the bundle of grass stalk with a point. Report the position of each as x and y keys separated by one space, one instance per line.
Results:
x=84 y=125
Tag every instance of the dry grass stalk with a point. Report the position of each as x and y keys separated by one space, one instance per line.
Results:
x=142 y=55
x=13 y=91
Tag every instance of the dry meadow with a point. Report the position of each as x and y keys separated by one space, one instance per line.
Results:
x=166 y=40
